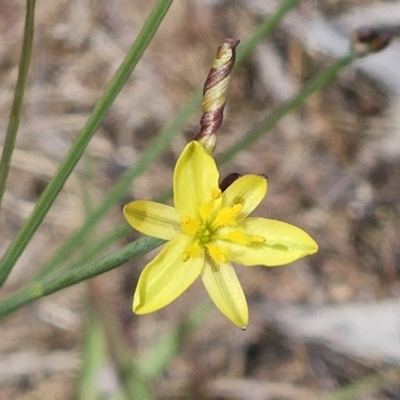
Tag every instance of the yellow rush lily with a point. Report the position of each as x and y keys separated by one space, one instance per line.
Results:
x=206 y=230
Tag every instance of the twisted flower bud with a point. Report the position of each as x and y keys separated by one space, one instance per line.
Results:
x=214 y=94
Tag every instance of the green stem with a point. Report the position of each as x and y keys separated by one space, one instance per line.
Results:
x=62 y=279
x=133 y=384
x=93 y=250
x=93 y=358
x=158 y=145
x=71 y=159
x=16 y=109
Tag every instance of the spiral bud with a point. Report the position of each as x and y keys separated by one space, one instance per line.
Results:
x=214 y=94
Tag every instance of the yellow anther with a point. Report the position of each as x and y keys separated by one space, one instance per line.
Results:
x=216 y=253
x=226 y=216
x=257 y=239
x=237 y=208
x=216 y=193
x=191 y=251
x=236 y=237
x=185 y=256
x=189 y=226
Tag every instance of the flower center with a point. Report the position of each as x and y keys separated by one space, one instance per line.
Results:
x=205 y=228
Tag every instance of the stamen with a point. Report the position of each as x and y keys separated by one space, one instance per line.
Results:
x=216 y=193
x=205 y=210
x=237 y=237
x=216 y=253
x=191 y=251
x=237 y=208
x=226 y=216
x=185 y=256
x=257 y=239
x=189 y=226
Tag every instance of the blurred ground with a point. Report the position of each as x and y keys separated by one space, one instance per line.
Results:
x=333 y=170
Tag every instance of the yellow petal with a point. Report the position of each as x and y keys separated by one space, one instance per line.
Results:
x=226 y=292
x=153 y=219
x=195 y=178
x=166 y=277
x=248 y=190
x=283 y=244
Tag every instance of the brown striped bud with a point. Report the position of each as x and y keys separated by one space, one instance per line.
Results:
x=370 y=40
x=214 y=94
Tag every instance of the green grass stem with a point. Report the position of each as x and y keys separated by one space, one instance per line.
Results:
x=73 y=156
x=16 y=108
x=62 y=279
x=93 y=359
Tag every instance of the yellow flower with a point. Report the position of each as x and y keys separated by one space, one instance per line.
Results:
x=206 y=230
